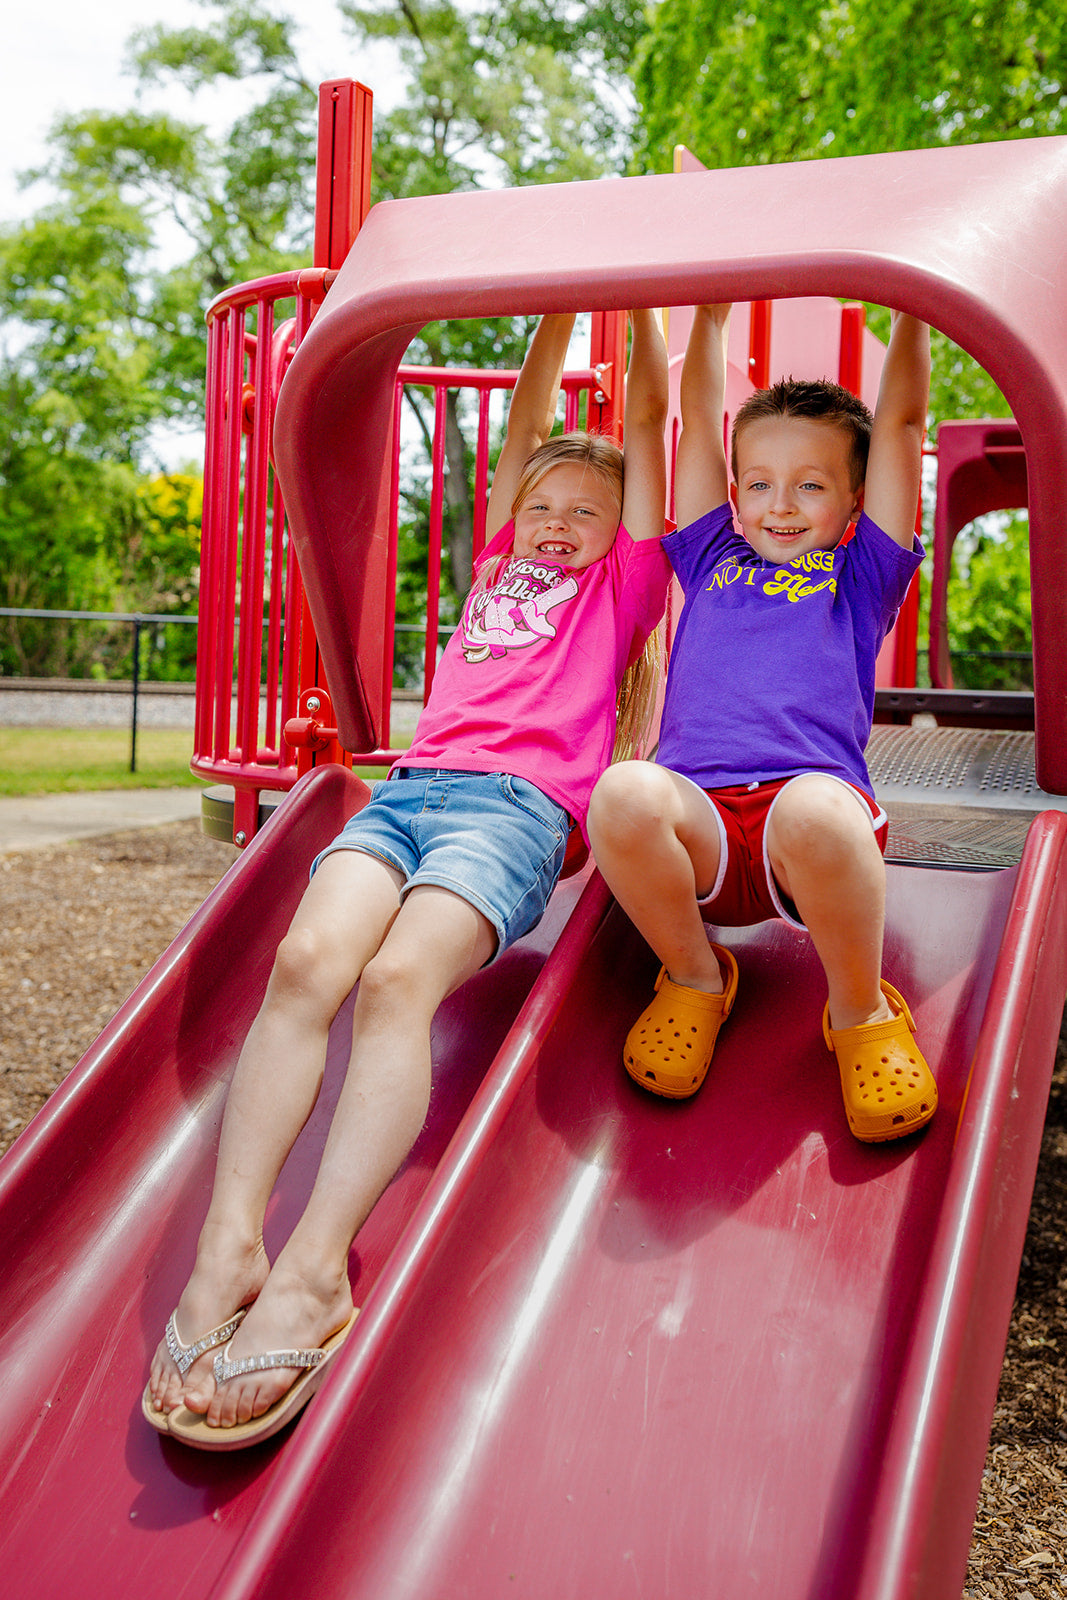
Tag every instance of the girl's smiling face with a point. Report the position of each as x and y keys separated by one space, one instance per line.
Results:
x=794 y=489
x=570 y=516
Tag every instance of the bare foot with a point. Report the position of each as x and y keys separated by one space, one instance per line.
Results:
x=293 y=1312
x=224 y=1280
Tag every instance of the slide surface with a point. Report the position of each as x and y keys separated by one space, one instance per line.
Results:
x=609 y=1345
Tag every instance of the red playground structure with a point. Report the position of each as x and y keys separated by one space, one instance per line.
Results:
x=609 y=1346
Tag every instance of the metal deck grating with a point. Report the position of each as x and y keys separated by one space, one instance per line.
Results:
x=956 y=836
x=957 y=797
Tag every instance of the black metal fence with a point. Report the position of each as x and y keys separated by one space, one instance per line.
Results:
x=138 y=621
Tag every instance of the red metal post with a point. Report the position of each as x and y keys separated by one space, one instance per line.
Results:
x=850 y=376
x=759 y=343
x=343 y=168
x=607 y=357
x=342 y=200
x=850 y=362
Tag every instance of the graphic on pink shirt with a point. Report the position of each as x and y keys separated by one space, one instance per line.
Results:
x=514 y=613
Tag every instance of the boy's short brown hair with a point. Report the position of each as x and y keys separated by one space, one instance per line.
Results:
x=818 y=400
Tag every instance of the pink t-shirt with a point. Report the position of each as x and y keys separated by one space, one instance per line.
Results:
x=527 y=684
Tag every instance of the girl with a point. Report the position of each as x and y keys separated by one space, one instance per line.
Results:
x=453 y=858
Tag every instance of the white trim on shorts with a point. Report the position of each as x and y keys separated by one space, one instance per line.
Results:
x=720 y=876
x=876 y=815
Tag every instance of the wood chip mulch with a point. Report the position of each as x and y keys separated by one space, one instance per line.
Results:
x=83 y=923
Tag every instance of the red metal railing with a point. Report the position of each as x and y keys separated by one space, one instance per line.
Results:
x=263 y=711
x=262 y=716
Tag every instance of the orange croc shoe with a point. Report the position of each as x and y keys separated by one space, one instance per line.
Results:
x=888 y=1088
x=669 y=1048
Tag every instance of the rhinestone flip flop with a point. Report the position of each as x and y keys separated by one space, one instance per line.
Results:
x=183 y=1356
x=192 y=1429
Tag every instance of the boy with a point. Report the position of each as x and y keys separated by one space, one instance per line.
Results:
x=759 y=803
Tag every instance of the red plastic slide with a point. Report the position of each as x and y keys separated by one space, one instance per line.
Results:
x=608 y=1345
x=100 y=1204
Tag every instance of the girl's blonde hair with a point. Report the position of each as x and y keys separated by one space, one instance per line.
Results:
x=601 y=455
x=635 y=706
x=636 y=703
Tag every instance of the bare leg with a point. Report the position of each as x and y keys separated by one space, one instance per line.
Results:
x=824 y=855
x=340 y=923
x=435 y=943
x=655 y=841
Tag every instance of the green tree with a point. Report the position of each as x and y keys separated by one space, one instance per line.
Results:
x=989 y=605
x=502 y=95
x=103 y=315
x=800 y=80
x=513 y=94
x=74 y=372
x=795 y=80
x=245 y=199
x=791 y=82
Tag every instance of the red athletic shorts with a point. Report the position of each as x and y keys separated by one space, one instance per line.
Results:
x=745 y=891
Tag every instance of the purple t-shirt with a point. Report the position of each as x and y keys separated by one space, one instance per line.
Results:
x=772 y=668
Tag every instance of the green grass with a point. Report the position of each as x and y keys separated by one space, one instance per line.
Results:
x=77 y=760
x=72 y=760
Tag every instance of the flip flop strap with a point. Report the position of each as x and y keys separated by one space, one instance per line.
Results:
x=225 y=1370
x=183 y=1355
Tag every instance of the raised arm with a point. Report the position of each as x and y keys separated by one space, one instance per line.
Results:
x=531 y=414
x=701 y=480
x=644 y=494
x=894 y=470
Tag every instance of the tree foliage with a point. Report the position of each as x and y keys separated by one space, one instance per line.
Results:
x=244 y=198
x=742 y=84
x=989 y=605
x=74 y=370
x=794 y=80
x=502 y=95
x=104 y=292
x=102 y=295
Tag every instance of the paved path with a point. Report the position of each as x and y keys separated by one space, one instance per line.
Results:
x=29 y=824
x=58 y=818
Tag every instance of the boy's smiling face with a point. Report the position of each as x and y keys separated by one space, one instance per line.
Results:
x=794 y=489
x=570 y=516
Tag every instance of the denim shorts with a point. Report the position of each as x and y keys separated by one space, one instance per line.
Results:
x=494 y=840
